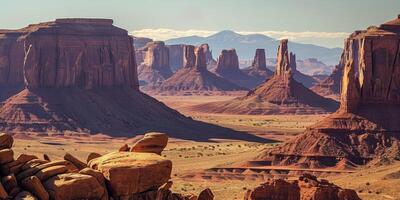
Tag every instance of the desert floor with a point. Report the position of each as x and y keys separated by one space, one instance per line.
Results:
x=192 y=159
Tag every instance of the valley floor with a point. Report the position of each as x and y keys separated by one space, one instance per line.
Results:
x=191 y=160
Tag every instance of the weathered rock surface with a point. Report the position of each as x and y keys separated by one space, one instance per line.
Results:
x=365 y=127
x=306 y=188
x=177 y=54
x=80 y=75
x=121 y=167
x=151 y=143
x=11 y=63
x=281 y=94
x=258 y=69
x=139 y=42
x=155 y=66
x=6 y=141
x=228 y=68
x=194 y=76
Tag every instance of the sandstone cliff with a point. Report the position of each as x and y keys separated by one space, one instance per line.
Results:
x=155 y=66
x=365 y=127
x=176 y=54
x=11 y=63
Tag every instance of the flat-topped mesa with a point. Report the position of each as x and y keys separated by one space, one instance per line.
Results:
x=282 y=65
x=84 y=21
x=259 y=61
x=157 y=57
x=228 y=61
x=83 y=53
x=189 y=57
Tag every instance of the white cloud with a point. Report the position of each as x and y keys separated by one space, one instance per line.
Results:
x=312 y=37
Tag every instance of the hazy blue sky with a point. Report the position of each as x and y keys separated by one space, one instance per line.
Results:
x=212 y=15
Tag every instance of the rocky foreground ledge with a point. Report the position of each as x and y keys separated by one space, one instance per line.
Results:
x=136 y=173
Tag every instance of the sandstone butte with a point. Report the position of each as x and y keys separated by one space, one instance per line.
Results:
x=80 y=75
x=141 y=174
x=194 y=76
x=365 y=129
x=155 y=66
x=258 y=69
x=176 y=56
x=281 y=94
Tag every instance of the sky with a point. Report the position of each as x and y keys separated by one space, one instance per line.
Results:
x=321 y=22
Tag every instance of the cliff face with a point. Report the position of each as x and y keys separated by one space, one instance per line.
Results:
x=258 y=69
x=11 y=63
x=155 y=66
x=366 y=125
x=78 y=53
x=177 y=52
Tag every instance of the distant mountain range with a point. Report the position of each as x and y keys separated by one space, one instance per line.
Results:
x=245 y=46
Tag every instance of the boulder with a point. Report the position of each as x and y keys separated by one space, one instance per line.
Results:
x=143 y=171
x=151 y=143
x=48 y=172
x=73 y=186
x=6 y=141
x=6 y=156
x=9 y=182
x=3 y=192
x=24 y=195
x=92 y=156
x=75 y=161
x=34 y=185
x=124 y=147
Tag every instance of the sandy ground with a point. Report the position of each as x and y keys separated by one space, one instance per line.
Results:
x=191 y=159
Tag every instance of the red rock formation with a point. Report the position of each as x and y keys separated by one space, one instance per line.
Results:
x=281 y=94
x=176 y=54
x=194 y=76
x=211 y=63
x=80 y=75
x=155 y=66
x=228 y=68
x=139 y=42
x=366 y=126
x=11 y=63
x=258 y=69
x=306 y=188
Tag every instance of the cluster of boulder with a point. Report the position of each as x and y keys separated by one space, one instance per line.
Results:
x=305 y=188
x=280 y=94
x=133 y=173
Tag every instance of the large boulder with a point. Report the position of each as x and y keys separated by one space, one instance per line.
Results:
x=151 y=143
x=143 y=171
x=73 y=186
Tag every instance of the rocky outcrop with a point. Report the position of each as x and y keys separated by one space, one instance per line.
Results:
x=80 y=76
x=258 y=69
x=116 y=175
x=151 y=143
x=228 y=68
x=155 y=66
x=281 y=94
x=364 y=128
x=176 y=55
x=194 y=77
x=307 y=187
x=11 y=63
